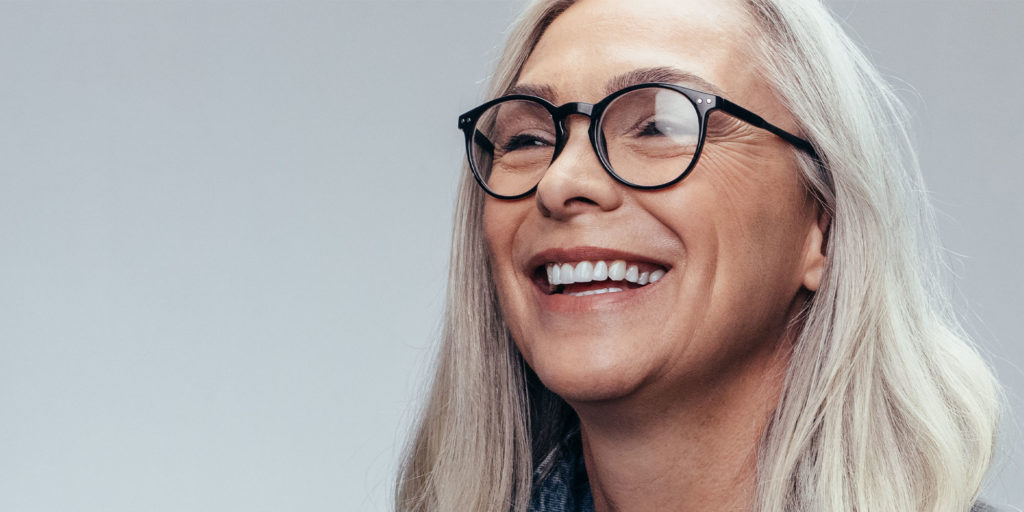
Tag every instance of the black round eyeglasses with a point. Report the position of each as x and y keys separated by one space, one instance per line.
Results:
x=647 y=136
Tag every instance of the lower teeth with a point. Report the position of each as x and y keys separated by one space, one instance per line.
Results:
x=596 y=292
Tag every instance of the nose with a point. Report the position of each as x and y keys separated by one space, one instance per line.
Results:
x=576 y=182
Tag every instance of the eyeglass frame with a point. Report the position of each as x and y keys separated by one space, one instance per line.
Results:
x=704 y=103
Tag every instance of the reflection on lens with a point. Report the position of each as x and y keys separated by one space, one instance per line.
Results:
x=650 y=135
x=512 y=146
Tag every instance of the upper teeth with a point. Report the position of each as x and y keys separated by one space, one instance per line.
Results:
x=587 y=271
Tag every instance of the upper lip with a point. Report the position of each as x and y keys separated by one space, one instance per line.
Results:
x=586 y=253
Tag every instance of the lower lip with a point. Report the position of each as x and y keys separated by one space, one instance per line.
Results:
x=564 y=303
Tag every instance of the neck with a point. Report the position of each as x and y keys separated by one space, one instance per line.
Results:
x=692 y=450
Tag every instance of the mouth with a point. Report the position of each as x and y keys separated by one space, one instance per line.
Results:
x=587 y=277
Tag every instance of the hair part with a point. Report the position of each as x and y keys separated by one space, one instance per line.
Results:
x=886 y=404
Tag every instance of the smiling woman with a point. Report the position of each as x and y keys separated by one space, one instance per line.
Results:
x=693 y=270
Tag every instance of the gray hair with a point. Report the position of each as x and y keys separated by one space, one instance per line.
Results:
x=886 y=404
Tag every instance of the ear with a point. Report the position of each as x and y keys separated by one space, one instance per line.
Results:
x=815 y=248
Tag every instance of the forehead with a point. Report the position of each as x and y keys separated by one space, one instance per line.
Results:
x=594 y=41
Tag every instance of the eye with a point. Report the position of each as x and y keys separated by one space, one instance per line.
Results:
x=523 y=141
x=663 y=127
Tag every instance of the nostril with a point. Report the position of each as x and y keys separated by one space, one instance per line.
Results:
x=580 y=199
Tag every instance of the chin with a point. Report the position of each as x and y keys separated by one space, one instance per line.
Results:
x=583 y=378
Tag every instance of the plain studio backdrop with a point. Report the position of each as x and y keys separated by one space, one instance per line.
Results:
x=225 y=226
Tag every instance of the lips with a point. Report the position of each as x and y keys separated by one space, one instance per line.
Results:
x=587 y=271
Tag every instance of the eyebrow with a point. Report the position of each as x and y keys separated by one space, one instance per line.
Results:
x=541 y=91
x=664 y=74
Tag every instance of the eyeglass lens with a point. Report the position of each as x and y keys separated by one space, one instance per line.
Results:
x=648 y=135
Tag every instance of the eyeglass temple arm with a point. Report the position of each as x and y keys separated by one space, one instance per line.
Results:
x=756 y=120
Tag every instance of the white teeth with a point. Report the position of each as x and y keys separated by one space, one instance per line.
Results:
x=632 y=273
x=617 y=270
x=587 y=271
x=584 y=272
x=596 y=292
x=565 y=275
x=657 y=274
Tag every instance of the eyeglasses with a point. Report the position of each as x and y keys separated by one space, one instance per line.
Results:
x=647 y=136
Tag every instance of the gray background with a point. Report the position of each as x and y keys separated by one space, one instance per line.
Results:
x=224 y=233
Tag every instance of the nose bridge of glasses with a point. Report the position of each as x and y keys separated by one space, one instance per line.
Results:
x=576 y=107
x=564 y=112
x=561 y=117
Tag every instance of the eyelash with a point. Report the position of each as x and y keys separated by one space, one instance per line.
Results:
x=521 y=141
x=650 y=128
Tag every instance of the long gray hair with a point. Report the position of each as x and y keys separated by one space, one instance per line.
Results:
x=886 y=404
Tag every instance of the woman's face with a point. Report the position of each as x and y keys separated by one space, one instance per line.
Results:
x=737 y=240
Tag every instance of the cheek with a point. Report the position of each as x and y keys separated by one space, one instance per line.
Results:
x=759 y=197
x=500 y=224
x=758 y=211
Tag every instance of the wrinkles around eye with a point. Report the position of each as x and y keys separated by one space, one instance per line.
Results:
x=723 y=127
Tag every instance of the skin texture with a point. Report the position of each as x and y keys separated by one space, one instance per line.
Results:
x=674 y=385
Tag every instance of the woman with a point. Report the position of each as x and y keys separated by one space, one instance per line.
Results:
x=695 y=271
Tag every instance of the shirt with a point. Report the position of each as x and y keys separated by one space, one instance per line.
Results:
x=560 y=480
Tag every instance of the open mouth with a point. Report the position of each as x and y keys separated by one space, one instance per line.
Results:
x=583 y=278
